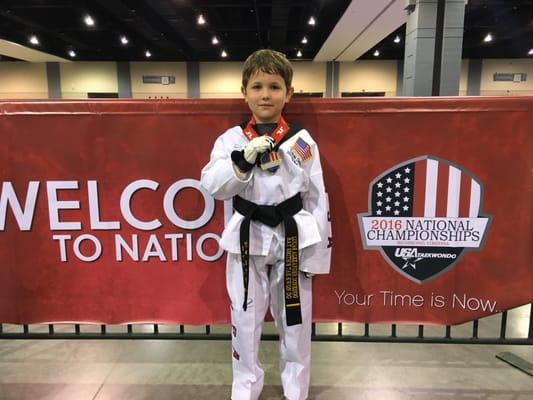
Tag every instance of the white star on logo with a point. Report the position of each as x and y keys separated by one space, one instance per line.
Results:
x=407 y=170
x=398 y=175
x=378 y=212
x=396 y=212
x=387 y=208
x=389 y=180
x=406 y=189
x=397 y=194
x=407 y=180
x=388 y=189
x=397 y=184
x=406 y=199
x=388 y=199
x=396 y=203
x=379 y=194
x=410 y=263
x=379 y=203
x=405 y=208
x=380 y=185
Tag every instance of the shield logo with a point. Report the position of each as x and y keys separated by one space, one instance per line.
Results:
x=423 y=215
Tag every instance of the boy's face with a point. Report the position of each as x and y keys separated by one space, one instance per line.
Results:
x=266 y=94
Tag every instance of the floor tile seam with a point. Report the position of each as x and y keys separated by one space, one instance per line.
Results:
x=102 y=384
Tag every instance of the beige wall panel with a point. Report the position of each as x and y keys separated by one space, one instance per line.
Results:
x=368 y=76
x=220 y=79
x=309 y=76
x=463 y=79
x=23 y=80
x=142 y=90
x=517 y=65
x=79 y=78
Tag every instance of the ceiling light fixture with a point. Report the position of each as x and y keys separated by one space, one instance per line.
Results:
x=376 y=53
x=304 y=40
x=147 y=54
x=397 y=39
x=214 y=40
x=299 y=54
x=311 y=21
x=201 y=20
x=488 y=38
x=34 y=40
x=124 y=40
x=89 y=21
x=530 y=53
x=223 y=54
x=72 y=53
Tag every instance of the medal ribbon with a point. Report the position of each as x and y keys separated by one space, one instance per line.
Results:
x=279 y=133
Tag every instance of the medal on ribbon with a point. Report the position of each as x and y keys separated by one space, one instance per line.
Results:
x=270 y=160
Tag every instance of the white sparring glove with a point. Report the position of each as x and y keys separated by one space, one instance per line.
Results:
x=257 y=146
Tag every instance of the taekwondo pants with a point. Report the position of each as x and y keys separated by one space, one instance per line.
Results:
x=266 y=287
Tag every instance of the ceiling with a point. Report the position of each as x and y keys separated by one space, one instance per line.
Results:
x=169 y=29
x=509 y=21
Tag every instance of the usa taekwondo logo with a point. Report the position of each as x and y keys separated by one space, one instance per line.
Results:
x=424 y=214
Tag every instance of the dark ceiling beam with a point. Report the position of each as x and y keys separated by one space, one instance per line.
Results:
x=6 y=4
x=258 y=25
x=206 y=4
x=280 y=21
x=232 y=28
x=135 y=20
x=161 y=25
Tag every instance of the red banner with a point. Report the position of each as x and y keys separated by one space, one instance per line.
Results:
x=102 y=219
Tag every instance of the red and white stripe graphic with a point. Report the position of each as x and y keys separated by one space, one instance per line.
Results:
x=442 y=190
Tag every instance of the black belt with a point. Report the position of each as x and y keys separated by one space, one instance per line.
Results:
x=273 y=216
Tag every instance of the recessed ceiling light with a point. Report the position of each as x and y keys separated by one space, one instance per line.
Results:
x=299 y=54
x=34 y=40
x=124 y=40
x=201 y=20
x=530 y=53
x=223 y=54
x=304 y=40
x=214 y=40
x=89 y=21
x=147 y=54
x=397 y=39
x=72 y=53
x=488 y=38
x=311 y=21
x=376 y=53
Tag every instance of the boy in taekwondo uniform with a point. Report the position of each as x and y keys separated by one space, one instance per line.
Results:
x=279 y=235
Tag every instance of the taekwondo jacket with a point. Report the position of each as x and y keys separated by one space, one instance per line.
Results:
x=299 y=172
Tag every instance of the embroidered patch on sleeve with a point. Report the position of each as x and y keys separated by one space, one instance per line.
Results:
x=301 y=150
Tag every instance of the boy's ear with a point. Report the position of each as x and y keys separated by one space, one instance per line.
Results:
x=243 y=91
x=290 y=92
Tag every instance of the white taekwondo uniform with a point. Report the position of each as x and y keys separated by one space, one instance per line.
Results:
x=299 y=172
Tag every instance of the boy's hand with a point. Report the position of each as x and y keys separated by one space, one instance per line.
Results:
x=257 y=146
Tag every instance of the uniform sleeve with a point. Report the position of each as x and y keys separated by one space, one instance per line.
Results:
x=218 y=177
x=316 y=259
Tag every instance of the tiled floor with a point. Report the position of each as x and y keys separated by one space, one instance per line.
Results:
x=167 y=369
